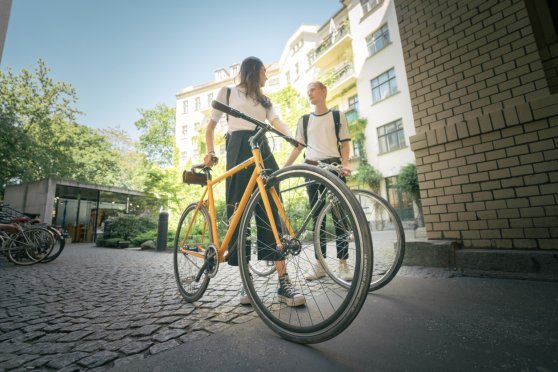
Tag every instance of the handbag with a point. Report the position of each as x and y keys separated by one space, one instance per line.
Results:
x=193 y=178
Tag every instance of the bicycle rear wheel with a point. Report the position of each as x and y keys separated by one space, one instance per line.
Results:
x=30 y=246
x=59 y=244
x=329 y=307
x=388 y=237
x=193 y=236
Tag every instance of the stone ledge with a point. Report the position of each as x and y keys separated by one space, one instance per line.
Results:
x=505 y=263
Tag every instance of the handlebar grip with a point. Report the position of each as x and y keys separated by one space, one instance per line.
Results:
x=224 y=108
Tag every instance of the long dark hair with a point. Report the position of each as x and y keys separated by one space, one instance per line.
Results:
x=250 y=80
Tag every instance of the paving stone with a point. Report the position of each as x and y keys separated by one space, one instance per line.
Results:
x=44 y=348
x=63 y=360
x=145 y=330
x=10 y=335
x=74 y=336
x=157 y=348
x=167 y=335
x=121 y=362
x=17 y=361
x=90 y=346
x=181 y=324
x=120 y=325
x=135 y=347
x=117 y=335
x=28 y=336
x=98 y=359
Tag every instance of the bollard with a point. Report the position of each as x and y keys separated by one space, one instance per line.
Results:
x=162 y=230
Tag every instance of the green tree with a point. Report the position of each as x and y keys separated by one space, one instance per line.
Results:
x=407 y=181
x=39 y=134
x=366 y=173
x=156 y=142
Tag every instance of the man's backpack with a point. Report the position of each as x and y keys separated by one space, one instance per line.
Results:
x=336 y=121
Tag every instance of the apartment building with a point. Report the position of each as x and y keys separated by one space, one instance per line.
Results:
x=357 y=54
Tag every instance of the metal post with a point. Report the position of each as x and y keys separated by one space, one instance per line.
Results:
x=162 y=230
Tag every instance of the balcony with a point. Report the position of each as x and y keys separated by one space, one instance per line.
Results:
x=335 y=41
x=338 y=79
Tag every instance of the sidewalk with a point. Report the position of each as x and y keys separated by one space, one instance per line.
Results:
x=414 y=324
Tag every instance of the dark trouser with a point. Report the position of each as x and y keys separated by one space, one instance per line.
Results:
x=238 y=150
x=340 y=233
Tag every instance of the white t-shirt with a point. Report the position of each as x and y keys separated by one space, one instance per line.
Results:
x=322 y=141
x=239 y=101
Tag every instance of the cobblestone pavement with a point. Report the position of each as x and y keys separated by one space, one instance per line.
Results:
x=96 y=308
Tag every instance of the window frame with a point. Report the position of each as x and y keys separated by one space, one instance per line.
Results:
x=383 y=80
x=384 y=135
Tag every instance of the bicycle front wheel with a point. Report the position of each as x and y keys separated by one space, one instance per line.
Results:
x=193 y=236
x=327 y=308
x=388 y=237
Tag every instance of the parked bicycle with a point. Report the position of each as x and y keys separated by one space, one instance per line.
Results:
x=35 y=242
x=199 y=250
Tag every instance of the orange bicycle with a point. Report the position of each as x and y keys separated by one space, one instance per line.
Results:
x=329 y=307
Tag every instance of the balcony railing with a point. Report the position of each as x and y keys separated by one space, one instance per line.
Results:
x=332 y=77
x=330 y=40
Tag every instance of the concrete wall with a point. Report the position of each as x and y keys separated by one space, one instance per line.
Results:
x=486 y=123
x=35 y=197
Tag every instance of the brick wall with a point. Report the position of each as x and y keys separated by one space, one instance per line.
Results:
x=487 y=125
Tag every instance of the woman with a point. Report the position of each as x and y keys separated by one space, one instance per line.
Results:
x=247 y=97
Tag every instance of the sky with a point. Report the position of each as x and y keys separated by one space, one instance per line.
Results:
x=126 y=55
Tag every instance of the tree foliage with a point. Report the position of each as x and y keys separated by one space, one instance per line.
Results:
x=156 y=142
x=407 y=180
x=39 y=134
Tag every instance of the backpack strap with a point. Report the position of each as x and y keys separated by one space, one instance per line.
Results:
x=228 y=96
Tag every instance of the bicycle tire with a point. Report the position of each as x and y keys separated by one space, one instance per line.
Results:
x=388 y=237
x=186 y=267
x=30 y=246
x=59 y=244
x=329 y=308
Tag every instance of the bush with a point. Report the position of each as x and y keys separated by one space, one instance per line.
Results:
x=127 y=226
x=143 y=237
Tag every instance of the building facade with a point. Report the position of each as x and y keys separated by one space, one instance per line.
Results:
x=482 y=76
x=357 y=53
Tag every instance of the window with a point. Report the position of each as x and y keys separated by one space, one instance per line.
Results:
x=384 y=86
x=352 y=113
x=391 y=136
x=198 y=103
x=353 y=102
x=378 y=40
x=209 y=99
x=185 y=106
x=184 y=130
x=288 y=75
x=370 y=5
x=356 y=149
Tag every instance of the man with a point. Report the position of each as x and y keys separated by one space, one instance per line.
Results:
x=326 y=136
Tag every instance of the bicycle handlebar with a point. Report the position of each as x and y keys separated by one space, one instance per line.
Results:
x=230 y=111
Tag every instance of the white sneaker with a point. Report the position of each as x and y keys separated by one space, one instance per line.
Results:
x=345 y=273
x=317 y=272
x=244 y=299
